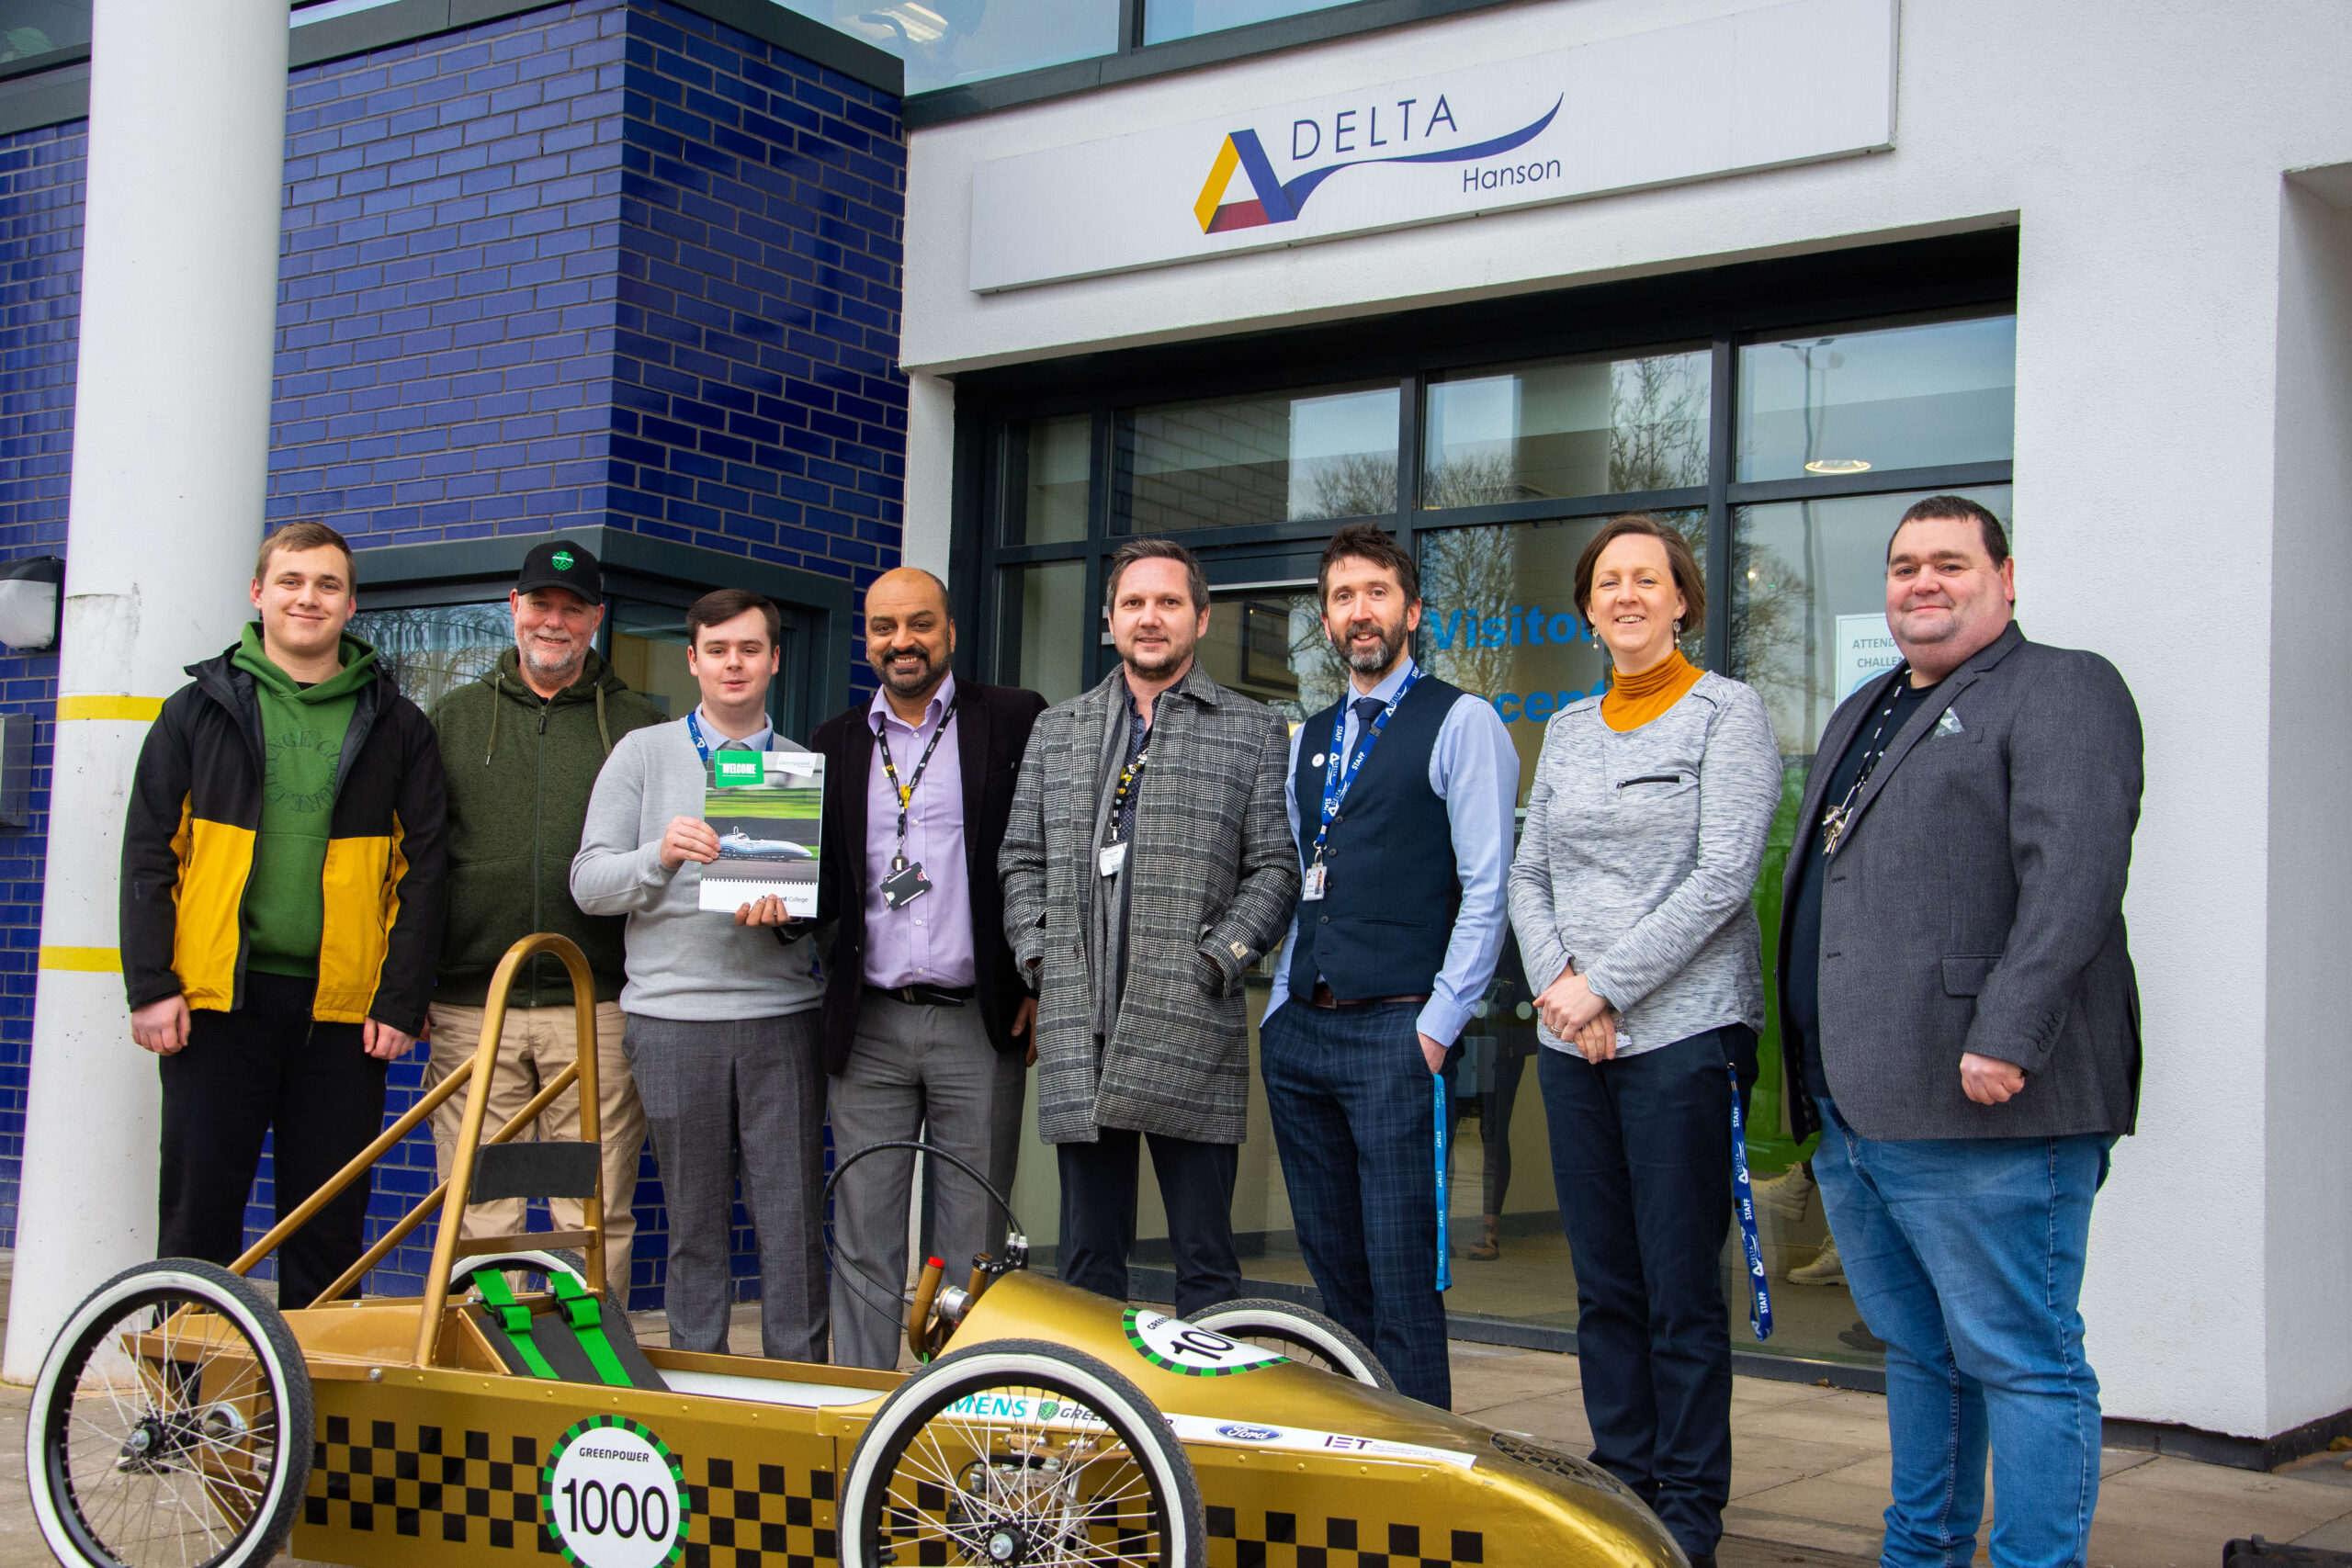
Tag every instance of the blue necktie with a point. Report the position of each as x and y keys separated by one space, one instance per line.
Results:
x=1366 y=710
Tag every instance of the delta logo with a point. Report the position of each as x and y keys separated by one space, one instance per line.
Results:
x=1274 y=200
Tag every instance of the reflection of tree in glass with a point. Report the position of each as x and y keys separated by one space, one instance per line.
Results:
x=1769 y=605
x=1467 y=569
x=1313 y=660
x=1473 y=479
x=1657 y=416
x=431 y=650
x=1358 y=484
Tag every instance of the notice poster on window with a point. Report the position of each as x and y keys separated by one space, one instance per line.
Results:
x=766 y=807
x=1865 y=649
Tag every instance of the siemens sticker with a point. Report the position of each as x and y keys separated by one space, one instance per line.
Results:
x=1763 y=88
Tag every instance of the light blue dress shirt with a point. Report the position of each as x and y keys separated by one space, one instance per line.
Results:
x=1474 y=768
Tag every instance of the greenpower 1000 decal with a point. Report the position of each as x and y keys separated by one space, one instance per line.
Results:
x=615 y=1496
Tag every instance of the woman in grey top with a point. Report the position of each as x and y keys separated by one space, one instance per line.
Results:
x=1630 y=896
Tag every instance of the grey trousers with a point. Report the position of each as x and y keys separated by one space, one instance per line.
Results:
x=915 y=1070
x=711 y=1090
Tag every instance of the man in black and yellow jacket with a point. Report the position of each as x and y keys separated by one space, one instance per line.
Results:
x=284 y=870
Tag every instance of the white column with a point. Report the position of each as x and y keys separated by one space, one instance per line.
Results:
x=170 y=450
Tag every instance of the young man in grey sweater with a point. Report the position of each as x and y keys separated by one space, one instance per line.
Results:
x=721 y=1030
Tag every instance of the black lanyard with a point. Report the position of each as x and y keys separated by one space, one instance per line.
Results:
x=1834 y=822
x=1127 y=777
x=907 y=790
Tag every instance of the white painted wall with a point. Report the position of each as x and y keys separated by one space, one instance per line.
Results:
x=931 y=472
x=2308 y=1173
x=2165 y=428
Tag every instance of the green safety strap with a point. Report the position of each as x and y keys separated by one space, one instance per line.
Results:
x=586 y=1315
x=515 y=1318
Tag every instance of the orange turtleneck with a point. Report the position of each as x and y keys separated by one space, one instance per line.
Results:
x=1634 y=700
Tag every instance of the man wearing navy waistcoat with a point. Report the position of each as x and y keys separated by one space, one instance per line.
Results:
x=1403 y=837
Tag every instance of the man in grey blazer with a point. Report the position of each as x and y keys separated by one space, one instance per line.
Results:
x=1147 y=866
x=1960 y=1021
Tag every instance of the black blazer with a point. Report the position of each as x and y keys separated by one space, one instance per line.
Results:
x=992 y=727
x=1978 y=905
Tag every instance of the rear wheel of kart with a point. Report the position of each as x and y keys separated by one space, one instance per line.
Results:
x=1299 y=1333
x=1020 y=1452
x=170 y=1423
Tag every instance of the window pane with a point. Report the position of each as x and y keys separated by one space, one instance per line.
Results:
x=1165 y=19
x=434 y=648
x=1565 y=427
x=28 y=28
x=1808 y=624
x=1044 y=620
x=1904 y=398
x=1048 y=494
x=945 y=42
x=1268 y=643
x=1300 y=456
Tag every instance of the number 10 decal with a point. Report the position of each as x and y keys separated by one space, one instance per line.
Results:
x=614 y=1496
x=1175 y=1346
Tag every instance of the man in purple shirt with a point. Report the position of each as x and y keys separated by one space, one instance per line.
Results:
x=927 y=1025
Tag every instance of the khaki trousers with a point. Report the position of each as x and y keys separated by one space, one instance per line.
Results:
x=536 y=1045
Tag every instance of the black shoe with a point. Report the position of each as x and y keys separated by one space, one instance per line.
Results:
x=1702 y=1559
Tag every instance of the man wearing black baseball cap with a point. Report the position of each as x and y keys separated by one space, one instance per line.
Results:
x=523 y=744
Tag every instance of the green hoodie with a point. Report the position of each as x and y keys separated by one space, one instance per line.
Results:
x=302 y=731
x=521 y=768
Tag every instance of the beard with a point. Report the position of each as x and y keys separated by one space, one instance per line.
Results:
x=1151 y=666
x=1374 y=661
x=908 y=685
x=565 y=674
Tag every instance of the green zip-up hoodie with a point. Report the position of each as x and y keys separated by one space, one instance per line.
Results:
x=520 y=771
x=302 y=730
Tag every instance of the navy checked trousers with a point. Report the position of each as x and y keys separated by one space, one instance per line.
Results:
x=1355 y=1123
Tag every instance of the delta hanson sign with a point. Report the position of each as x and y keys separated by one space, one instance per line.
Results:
x=1787 y=83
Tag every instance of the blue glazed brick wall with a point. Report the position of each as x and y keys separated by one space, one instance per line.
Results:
x=40 y=268
x=605 y=262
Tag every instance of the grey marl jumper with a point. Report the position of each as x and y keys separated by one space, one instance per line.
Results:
x=1637 y=860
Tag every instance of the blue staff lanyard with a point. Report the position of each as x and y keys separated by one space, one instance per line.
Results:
x=694 y=729
x=1444 y=1268
x=1336 y=784
x=1759 y=1299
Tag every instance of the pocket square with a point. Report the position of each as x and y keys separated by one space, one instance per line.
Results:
x=1950 y=724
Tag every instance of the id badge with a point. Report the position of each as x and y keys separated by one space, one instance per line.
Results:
x=1111 y=857
x=904 y=886
x=1310 y=885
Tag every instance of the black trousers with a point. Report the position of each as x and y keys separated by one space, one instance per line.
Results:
x=1099 y=1214
x=1641 y=1157
x=267 y=1067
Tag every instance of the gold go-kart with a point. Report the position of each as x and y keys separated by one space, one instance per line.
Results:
x=181 y=1419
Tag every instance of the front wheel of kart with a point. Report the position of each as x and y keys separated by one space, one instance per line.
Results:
x=1299 y=1333
x=170 y=1423
x=1020 y=1451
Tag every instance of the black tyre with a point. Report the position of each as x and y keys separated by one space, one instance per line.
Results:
x=1300 y=1333
x=1057 y=1460
x=170 y=1423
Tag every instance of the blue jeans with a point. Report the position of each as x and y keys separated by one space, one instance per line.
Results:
x=1965 y=1254
x=1355 y=1122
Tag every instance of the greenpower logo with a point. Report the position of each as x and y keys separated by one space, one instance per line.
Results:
x=737 y=769
x=562 y=560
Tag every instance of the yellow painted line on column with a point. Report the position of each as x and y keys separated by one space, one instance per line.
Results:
x=88 y=960
x=139 y=710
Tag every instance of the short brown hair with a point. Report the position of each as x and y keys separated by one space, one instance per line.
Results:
x=722 y=604
x=1196 y=582
x=304 y=537
x=1958 y=509
x=1689 y=581
x=1365 y=542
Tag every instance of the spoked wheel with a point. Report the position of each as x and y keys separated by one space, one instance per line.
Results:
x=1300 y=1333
x=171 y=1425
x=1020 y=1453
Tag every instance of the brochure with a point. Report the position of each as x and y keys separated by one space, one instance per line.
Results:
x=766 y=807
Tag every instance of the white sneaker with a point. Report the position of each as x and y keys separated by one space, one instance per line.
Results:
x=1824 y=1269
x=1788 y=1195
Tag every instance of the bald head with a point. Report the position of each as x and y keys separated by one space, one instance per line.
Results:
x=910 y=636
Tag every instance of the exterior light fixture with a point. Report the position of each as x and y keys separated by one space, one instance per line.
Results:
x=30 y=591
x=1837 y=465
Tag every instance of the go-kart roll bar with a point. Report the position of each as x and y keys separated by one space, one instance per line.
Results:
x=462 y=1170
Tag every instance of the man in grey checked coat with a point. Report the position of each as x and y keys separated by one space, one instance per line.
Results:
x=1147 y=866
